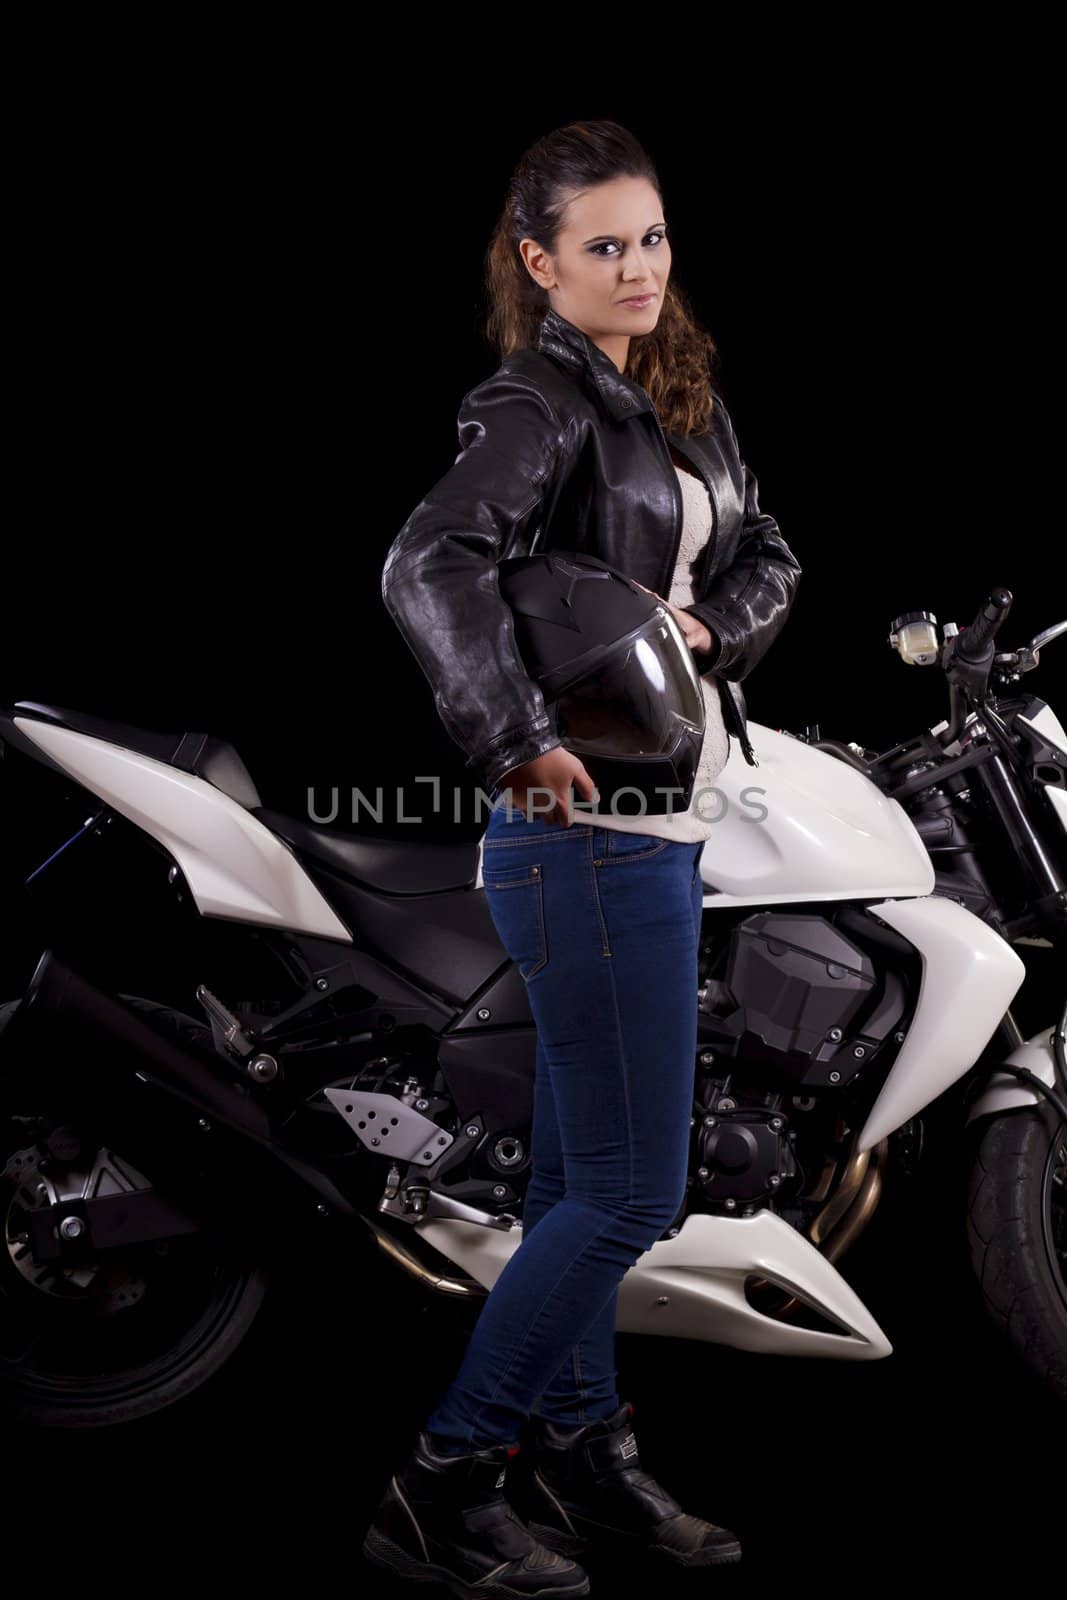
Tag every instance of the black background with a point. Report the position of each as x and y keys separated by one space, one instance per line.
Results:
x=241 y=359
x=244 y=315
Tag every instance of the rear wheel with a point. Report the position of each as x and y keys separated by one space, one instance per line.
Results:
x=1017 y=1235
x=126 y=1331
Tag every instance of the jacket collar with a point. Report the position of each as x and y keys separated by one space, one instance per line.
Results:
x=576 y=351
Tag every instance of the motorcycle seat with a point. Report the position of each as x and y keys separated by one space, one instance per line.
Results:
x=201 y=754
x=396 y=866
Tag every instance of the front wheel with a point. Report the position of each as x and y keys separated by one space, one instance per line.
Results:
x=1017 y=1235
x=127 y=1331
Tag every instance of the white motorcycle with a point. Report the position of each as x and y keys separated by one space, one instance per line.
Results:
x=859 y=959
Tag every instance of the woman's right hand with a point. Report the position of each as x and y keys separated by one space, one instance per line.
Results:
x=697 y=634
x=553 y=772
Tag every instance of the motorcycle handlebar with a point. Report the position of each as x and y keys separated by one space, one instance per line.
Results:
x=972 y=642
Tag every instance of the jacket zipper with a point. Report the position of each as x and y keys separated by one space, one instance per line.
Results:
x=665 y=583
x=742 y=732
x=712 y=544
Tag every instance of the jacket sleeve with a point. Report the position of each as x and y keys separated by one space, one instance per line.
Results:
x=747 y=604
x=440 y=582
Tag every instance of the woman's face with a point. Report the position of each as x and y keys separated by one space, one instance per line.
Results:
x=613 y=247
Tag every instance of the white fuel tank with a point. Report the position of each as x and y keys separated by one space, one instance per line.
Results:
x=804 y=825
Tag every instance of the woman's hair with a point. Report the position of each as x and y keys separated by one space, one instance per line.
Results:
x=673 y=362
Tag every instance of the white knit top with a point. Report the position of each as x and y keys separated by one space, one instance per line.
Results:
x=705 y=808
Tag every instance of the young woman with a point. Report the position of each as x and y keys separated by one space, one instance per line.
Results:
x=600 y=432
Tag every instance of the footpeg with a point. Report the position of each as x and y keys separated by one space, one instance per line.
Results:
x=226 y=1030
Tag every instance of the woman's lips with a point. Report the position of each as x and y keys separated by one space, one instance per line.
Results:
x=638 y=301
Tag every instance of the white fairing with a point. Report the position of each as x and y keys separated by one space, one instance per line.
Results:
x=969 y=977
x=1058 y=799
x=804 y=825
x=234 y=866
x=1049 y=726
x=693 y=1286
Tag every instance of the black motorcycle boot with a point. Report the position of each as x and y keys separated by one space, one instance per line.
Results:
x=585 y=1485
x=445 y=1519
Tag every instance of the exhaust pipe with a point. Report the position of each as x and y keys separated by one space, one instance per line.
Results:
x=167 y=1105
x=71 y=1010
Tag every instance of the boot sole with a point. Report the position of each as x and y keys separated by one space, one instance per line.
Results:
x=573 y=1545
x=384 y=1553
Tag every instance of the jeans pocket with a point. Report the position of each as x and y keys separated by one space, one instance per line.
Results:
x=515 y=895
x=614 y=844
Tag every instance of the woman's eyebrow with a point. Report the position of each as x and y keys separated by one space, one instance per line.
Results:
x=615 y=236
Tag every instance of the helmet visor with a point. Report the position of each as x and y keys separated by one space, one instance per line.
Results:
x=639 y=699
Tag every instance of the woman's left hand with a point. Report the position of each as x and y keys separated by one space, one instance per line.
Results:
x=697 y=636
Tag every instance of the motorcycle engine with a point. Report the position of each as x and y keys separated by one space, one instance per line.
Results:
x=791 y=1010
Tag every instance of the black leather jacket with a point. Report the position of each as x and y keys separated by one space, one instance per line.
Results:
x=558 y=449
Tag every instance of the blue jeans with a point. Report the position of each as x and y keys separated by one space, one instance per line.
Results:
x=603 y=926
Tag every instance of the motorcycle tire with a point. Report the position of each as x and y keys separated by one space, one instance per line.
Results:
x=130 y=1334
x=1017 y=1235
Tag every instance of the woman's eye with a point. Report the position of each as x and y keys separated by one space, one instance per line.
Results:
x=657 y=234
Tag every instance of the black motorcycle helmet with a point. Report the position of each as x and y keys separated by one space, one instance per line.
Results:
x=616 y=670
